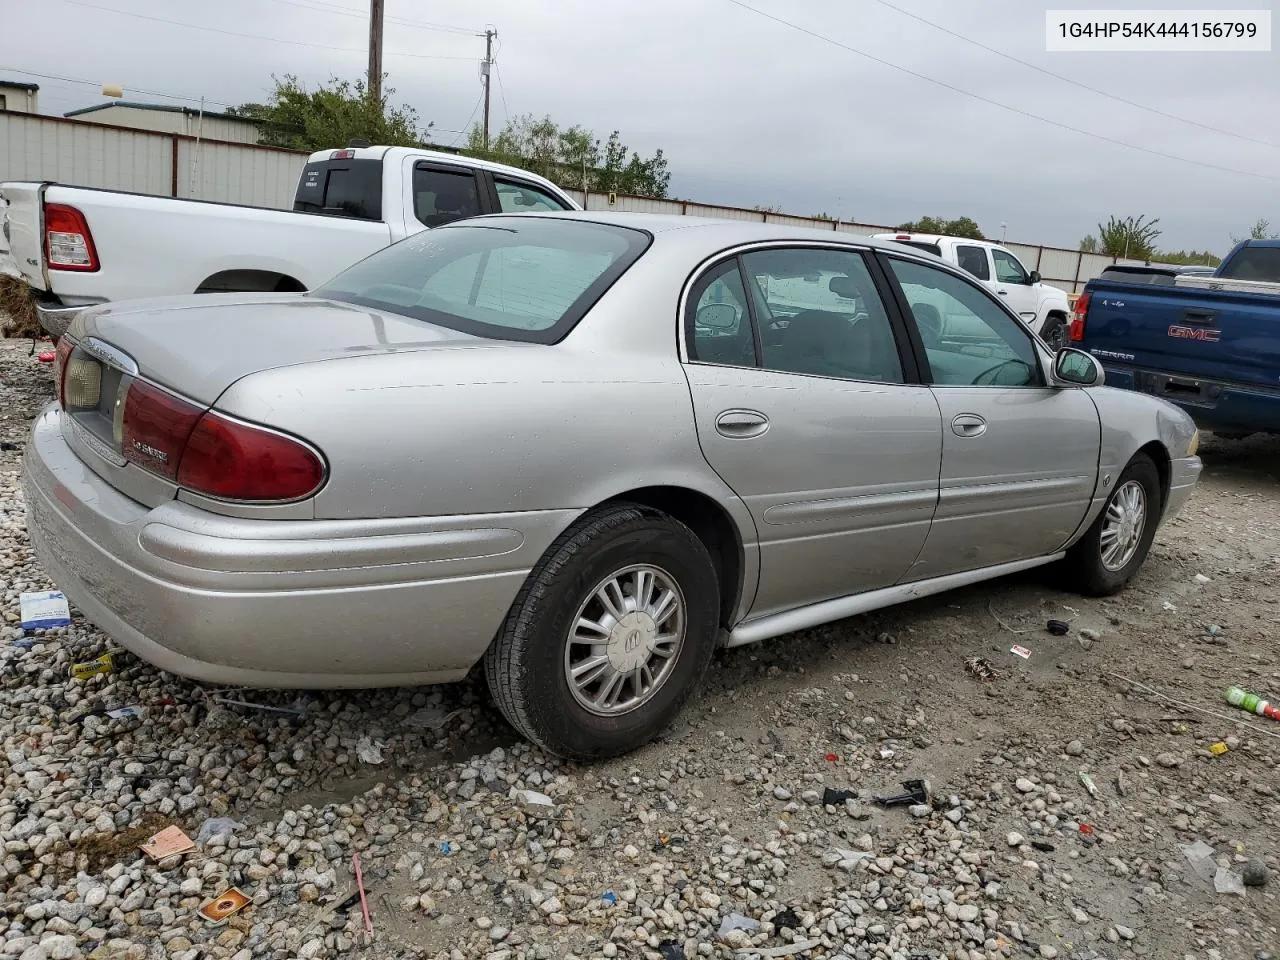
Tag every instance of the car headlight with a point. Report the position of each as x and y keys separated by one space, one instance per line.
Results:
x=1194 y=445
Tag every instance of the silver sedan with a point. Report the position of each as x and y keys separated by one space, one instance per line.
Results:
x=581 y=449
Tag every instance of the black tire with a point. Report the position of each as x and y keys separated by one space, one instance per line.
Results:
x=525 y=664
x=1084 y=562
x=1054 y=332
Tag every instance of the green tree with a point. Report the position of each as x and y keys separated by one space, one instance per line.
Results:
x=959 y=227
x=1261 y=230
x=331 y=116
x=1131 y=237
x=1201 y=258
x=573 y=156
x=1089 y=244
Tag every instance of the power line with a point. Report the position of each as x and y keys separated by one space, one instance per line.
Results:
x=128 y=87
x=1074 y=82
x=254 y=36
x=466 y=127
x=321 y=7
x=996 y=103
x=506 y=111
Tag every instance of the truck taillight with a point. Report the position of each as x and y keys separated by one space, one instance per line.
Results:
x=68 y=244
x=1079 y=315
x=61 y=355
x=215 y=455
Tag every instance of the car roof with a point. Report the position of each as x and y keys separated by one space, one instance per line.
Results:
x=908 y=236
x=392 y=154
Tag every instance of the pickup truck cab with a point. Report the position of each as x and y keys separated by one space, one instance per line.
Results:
x=1210 y=344
x=78 y=246
x=1043 y=307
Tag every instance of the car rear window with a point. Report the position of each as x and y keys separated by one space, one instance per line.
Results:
x=1253 y=263
x=506 y=278
x=921 y=245
x=341 y=188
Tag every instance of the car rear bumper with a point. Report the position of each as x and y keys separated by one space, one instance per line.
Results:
x=1214 y=405
x=275 y=603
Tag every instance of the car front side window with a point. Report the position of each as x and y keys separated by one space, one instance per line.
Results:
x=994 y=350
x=1008 y=269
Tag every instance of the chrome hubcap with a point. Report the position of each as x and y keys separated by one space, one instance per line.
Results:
x=624 y=640
x=1126 y=518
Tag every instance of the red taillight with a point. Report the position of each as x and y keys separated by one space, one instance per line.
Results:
x=65 y=346
x=342 y=155
x=903 y=236
x=156 y=428
x=1079 y=315
x=68 y=244
x=232 y=460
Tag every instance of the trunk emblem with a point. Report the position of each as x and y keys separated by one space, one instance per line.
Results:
x=1194 y=333
x=150 y=451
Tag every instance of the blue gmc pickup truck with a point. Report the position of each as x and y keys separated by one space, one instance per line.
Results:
x=1208 y=342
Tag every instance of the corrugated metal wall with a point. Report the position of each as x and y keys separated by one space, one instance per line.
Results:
x=95 y=155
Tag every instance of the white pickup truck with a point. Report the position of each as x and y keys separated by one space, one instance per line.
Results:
x=1042 y=306
x=78 y=246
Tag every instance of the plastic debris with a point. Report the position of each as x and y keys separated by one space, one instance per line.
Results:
x=430 y=718
x=40 y=611
x=222 y=907
x=832 y=758
x=981 y=669
x=1228 y=881
x=609 y=897
x=886 y=753
x=1200 y=856
x=736 y=921
x=786 y=950
x=1020 y=651
x=134 y=711
x=1213 y=630
x=919 y=793
x=832 y=797
x=1168 y=607
x=786 y=918
x=93 y=668
x=1218 y=749
x=364 y=900
x=368 y=750
x=1089 y=784
x=670 y=950
x=216 y=827
x=265 y=708
x=1252 y=702
x=1044 y=846
x=1087 y=830
x=46 y=356
x=446 y=847
x=1059 y=628
x=167 y=843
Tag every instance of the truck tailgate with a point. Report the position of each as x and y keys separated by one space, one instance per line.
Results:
x=20 y=216
x=1209 y=335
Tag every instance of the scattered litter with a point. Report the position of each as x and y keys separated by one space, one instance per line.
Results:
x=430 y=718
x=981 y=668
x=364 y=901
x=1122 y=785
x=93 y=668
x=609 y=897
x=1044 y=846
x=167 y=843
x=996 y=617
x=787 y=918
x=134 y=711
x=24 y=643
x=1200 y=856
x=1087 y=830
x=919 y=792
x=265 y=708
x=216 y=827
x=40 y=611
x=1059 y=628
x=1020 y=651
x=670 y=950
x=832 y=758
x=1213 y=630
x=1252 y=702
x=1086 y=643
x=1218 y=749
x=836 y=798
x=886 y=753
x=369 y=751
x=1169 y=607
x=1089 y=784
x=1228 y=881
x=1190 y=706
x=221 y=908
x=1201 y=578
x=786 y=950
x=840 y=855
x=736 y=921
x=46 y=356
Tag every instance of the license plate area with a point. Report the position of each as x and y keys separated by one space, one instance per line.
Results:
x=1179 y=389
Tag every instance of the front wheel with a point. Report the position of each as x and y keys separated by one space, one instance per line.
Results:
x=1115 y=546
x=1055 y=332
x=609 y=636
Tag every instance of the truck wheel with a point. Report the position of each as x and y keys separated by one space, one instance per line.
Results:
x=1055 y=331
x=1111 y=551
x=609 y=636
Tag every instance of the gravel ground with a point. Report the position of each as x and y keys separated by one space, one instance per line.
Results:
x=721 y=823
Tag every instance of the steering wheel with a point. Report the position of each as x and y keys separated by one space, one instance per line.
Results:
x=991 y=376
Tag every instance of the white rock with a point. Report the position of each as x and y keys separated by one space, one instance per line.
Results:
x=1015 y=839
x=1024 y=785
x=59 y=947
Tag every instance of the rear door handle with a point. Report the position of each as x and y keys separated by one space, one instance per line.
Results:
x=741 y=424
x=1003 y=293
x=968 y=425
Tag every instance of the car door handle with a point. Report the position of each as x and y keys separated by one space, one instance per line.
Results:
x=1003 y=293
x=968 y=425
x=741 y=424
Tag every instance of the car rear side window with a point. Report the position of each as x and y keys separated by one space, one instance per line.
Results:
x=508 y=278
x=973 y=260
x=442 y=196
x=1254 y=263
x=514 y=197
x=342 y=188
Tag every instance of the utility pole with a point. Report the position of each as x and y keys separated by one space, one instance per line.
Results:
x=375 y=49
x=487 y=72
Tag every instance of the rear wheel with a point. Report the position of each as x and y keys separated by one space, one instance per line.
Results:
x=609 y=636
x=1115 y=546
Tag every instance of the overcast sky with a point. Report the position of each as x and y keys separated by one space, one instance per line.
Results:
x=750 y=111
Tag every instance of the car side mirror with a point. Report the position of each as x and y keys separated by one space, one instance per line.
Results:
x=1035 y=277
x=1075 y=367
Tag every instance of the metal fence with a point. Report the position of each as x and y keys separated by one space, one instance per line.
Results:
x=173 y=165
